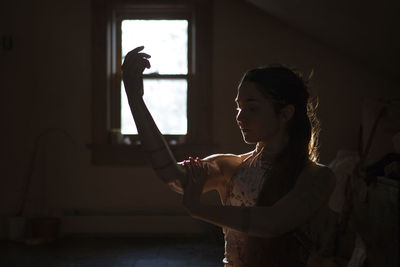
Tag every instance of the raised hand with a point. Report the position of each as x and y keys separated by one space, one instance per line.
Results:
x=197 y=173
x=132 y=70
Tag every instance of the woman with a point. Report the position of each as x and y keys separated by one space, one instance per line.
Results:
x=275 y=198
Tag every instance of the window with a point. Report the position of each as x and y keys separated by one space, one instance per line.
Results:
x=166 y=83
x=177 y=87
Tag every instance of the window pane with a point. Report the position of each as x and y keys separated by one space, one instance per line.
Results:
x=165 y=40
x=166 y=100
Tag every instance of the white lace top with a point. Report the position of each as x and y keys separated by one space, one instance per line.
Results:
x=243 y=190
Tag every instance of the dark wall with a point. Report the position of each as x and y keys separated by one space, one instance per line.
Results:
x=46 y=82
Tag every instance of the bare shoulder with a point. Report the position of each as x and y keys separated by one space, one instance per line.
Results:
x=318 y=169
x=225 y=163
x=220 y=169
x=318 y=174
x=232 y=158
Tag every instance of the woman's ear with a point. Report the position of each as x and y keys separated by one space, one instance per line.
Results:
x=287 y=112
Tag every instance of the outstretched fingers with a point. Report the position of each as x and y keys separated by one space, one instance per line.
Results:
x=134 y=52
x=134 y=58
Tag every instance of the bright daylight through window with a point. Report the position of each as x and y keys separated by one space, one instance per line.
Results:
x=166 y=82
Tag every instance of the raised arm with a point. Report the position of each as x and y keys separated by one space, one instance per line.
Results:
x=161 y=158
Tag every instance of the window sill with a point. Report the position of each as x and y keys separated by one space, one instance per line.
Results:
x=134 y=155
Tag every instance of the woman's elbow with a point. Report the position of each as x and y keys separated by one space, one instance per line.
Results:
x=176 y=186
x=174 y=177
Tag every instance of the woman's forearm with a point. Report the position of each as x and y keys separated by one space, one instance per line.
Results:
x=153 y=142
x=161 y=157
x=255 y=221
x=233 y=217
x=292 y=210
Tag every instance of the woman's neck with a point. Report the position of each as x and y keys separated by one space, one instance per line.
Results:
x=272 y=148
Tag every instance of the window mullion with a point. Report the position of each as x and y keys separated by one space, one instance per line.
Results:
x=165 y=76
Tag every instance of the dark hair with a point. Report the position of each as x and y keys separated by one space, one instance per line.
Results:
x=283 y=86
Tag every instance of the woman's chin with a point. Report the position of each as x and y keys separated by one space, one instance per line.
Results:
x=249 y=140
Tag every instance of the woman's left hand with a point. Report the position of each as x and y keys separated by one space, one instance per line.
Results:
x=132 y=71
x=196 y=175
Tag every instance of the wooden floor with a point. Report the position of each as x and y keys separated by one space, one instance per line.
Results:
x=114 y=252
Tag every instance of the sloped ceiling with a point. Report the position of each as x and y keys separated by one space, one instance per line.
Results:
x=365 y=31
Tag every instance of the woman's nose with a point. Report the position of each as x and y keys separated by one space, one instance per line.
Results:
x=240 y=116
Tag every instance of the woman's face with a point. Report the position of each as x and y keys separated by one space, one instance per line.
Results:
x=256 y=116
